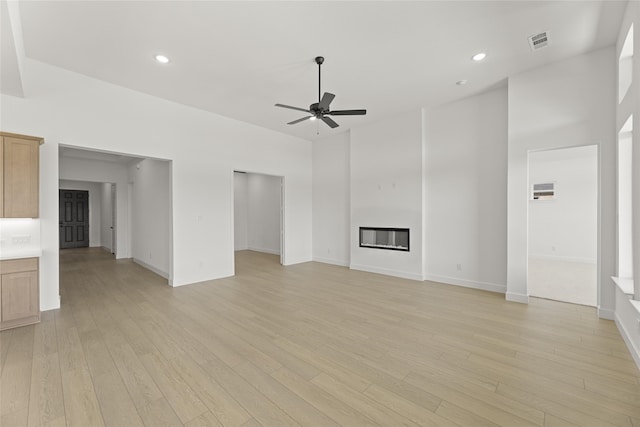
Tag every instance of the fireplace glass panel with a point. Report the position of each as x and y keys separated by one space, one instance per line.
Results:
x=395 y=239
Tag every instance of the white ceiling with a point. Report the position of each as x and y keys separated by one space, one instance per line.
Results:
x=239 y=58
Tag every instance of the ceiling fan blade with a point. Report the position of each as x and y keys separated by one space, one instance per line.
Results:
x=292 y=108
x=348 y=113
x=326 y=100
x=299 y=120
x=330 y=122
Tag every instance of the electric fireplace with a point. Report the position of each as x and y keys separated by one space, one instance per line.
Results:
x=393 y=239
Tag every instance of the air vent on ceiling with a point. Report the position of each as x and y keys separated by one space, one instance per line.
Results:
x=538 y=41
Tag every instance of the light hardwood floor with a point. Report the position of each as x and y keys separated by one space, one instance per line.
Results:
x=311 y=344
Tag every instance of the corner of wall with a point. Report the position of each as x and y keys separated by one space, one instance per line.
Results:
x=516 y=297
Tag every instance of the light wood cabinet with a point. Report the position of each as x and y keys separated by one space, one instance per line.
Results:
x=19 y=293
x=20 y=163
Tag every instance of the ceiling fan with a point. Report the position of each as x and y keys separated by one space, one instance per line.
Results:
x=320 y=110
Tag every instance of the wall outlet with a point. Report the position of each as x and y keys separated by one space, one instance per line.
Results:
x=24 y=239
x=459 y=267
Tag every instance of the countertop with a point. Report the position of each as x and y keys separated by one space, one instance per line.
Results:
x=20 y=253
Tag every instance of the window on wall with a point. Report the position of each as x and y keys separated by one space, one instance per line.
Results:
x=625 y=164
x=625 y=66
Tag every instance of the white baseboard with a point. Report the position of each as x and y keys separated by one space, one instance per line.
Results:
x=515 y=297
x=635 y=351
x=564 y=259
x=605 y=313
x=51 y=307
x=267 y=251
x=152 y=268
x=387 y=272
x=485 y=286
x=331 y=261
x=186 y=281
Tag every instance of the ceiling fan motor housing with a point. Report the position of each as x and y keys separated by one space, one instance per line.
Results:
x=316 y=110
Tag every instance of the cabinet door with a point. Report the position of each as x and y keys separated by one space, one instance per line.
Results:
x=21 y=165
x=20 y=298
x=1 y=176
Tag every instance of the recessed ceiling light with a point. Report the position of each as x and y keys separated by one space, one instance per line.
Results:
x=461 y=82
x=479 y=56
x=162 y=59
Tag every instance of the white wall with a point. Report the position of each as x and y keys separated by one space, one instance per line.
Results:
x=465 y=186
x=68 y=108
x=106 y=235
x=565 y=229
x=95 y=207
x=331 y=193
x=150 y=181
x=240 y=211
x=263 y=218
x=565 y=104
x=28 y=228
x=386 y=191
x=626 y=314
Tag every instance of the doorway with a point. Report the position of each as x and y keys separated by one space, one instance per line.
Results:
x=258 y=213
x=562 y=225
x=126 y=224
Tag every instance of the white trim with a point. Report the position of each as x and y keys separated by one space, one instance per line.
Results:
x=605 y=313
x=331 y=261
x=516 y=297
x=485 y=286
x=267 y=251
x=635 y=351
x=625 y=285
x=565 y=259
x=152 y=268
x=387 y=272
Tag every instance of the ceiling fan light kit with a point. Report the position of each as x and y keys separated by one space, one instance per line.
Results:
x=321 y=109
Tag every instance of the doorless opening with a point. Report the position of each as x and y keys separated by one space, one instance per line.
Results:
x=126 y=223
x=258 y=213
x=562 y=225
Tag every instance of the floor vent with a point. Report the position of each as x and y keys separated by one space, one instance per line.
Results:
x=538 y=41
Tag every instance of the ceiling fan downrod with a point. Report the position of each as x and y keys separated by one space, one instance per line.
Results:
x=319 y=61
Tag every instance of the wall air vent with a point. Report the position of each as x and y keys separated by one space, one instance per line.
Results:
x=544 y=191
x=538 y=41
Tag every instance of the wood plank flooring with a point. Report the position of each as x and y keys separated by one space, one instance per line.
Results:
x=311 y=345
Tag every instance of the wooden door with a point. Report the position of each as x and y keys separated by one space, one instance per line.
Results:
x=21 y=166
x=74 y=219
x=19 y=297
